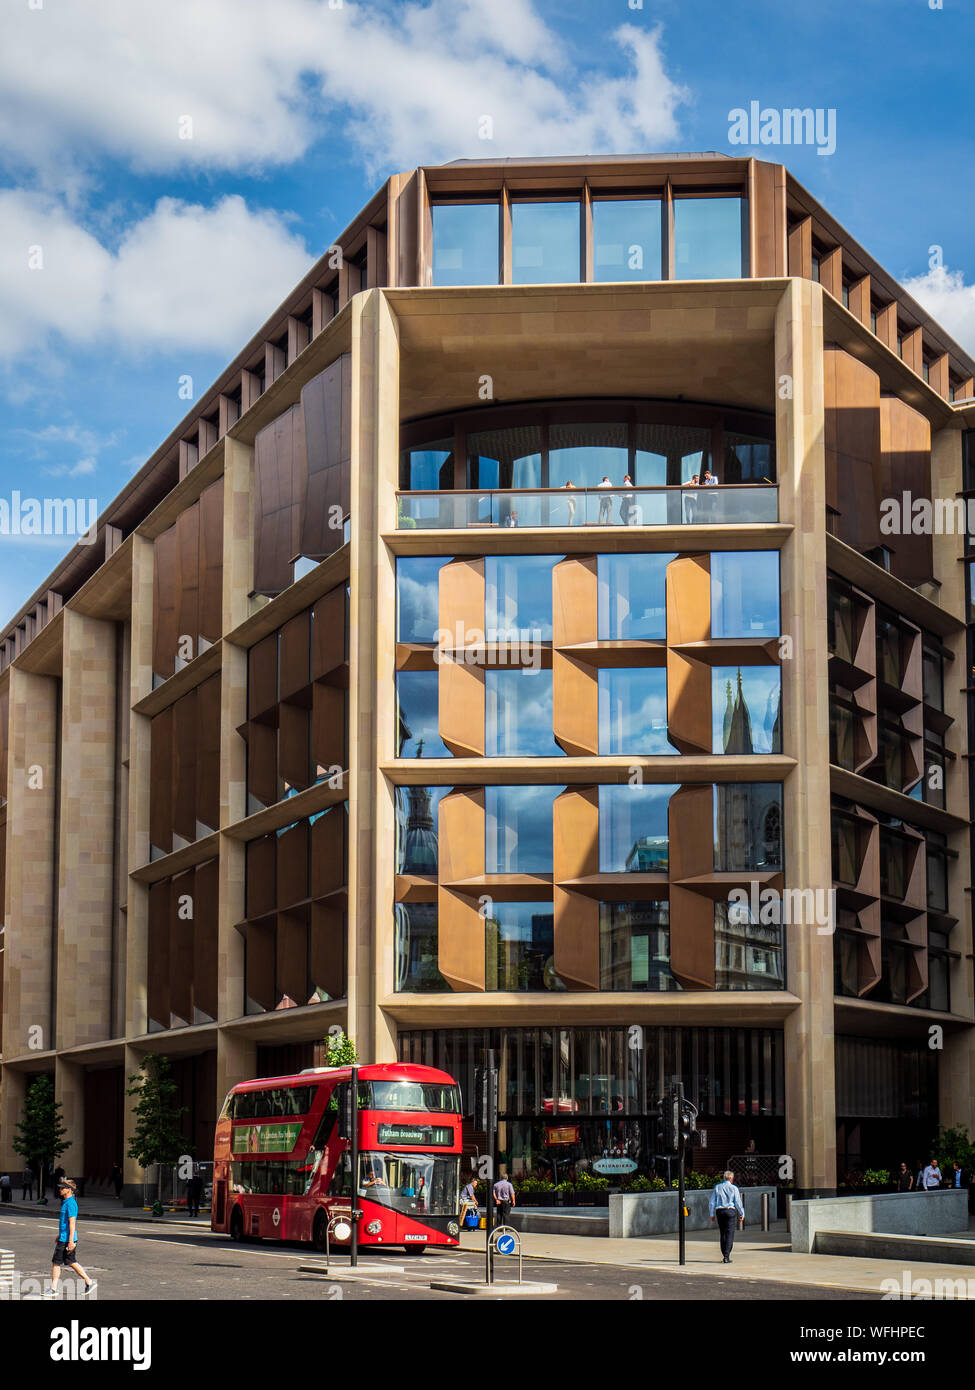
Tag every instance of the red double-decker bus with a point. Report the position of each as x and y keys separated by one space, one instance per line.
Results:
x=282 y=1166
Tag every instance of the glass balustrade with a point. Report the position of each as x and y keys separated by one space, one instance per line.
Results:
x=564 y=507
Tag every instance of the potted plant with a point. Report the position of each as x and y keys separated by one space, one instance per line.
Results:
x=592 y=1191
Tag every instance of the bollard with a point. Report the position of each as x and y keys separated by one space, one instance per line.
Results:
x=765 y=1211
x=788 y=1212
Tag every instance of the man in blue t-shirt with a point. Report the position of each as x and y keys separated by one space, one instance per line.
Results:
x=66 y=1250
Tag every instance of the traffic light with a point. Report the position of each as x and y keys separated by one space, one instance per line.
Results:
x=667 y=1124
x=688 y=1124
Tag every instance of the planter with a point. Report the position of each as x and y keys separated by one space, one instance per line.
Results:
x=655 y=1213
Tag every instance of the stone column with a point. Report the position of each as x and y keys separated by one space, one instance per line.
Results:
x=810 y=1075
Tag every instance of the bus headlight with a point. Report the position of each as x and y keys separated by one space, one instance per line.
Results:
x=374 y=1228
x=452 y=1228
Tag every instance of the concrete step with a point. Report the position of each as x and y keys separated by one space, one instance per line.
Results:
x=955 y=1250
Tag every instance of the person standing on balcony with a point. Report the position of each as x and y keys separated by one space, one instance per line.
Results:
x=605 y=503
x=571 y=502
x=690 y=503
x=627 y=502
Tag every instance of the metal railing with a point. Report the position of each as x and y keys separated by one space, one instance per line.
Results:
x=565 y=507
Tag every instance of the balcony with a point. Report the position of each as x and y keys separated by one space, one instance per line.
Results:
x=745 y=504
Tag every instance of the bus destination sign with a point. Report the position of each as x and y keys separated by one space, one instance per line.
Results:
x=432 y=1136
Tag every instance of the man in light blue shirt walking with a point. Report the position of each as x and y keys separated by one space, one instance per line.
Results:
x=726 y=1204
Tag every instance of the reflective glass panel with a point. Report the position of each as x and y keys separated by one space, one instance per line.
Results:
x=748 y=827
x=518 y=597
x=747 y=953
x=518 y=829
x=633 y=711
x=745 y=593
x=506 y=458
x=626 y=239
x=428 y=469
x=466 y=243
x=585 y=454
x=545 y=243
x=748 y=459
x=416 y=828
x=415 y=959
x=518 y=714
x=745 y=710
x=519 y=947
x=418 y=598
x=634 y=946
x=633 y=831
x=417 y=716
x=707 y=238
x=632 y=597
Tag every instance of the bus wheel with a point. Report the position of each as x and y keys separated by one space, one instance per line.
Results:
x=318 y=1231
x=236 y=1225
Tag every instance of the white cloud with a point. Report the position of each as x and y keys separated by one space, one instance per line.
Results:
x=78 y=470
x=406 y=82
x=185 y=276
x=949 y=301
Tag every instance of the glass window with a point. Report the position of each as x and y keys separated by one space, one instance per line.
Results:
x=747 y=954
x=748 y=459
x=633 y=828
x=707 y=238
x=632 y=597
x=545 y=243
x=585 y=454
x=418 y=598
x=519 y=947
x=633 y=711
x=416 y=828
x=415 y=1184
x=432 y=1097
x=466 y=243
x=842 y=735
x=839 y=624
x=626 y=239
x=937 y=866
x=846 y=961
x=934 y=692
x=416 y=959
x=518 y=597
x=745 y=709
x=518 y=829
x=893 y=863
x=518 y=714
x=508 y=458
x=745 y=593
x=634 y=946
x=846 y=859
x=429 y=469
x=417 y=716
x=748 y=827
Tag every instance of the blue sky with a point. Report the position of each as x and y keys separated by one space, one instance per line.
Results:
x=161 y=255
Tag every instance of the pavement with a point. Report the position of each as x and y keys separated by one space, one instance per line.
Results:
x=764 y=1256
x=758 y=1255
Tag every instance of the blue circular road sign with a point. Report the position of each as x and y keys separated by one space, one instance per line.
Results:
x=506 y=1245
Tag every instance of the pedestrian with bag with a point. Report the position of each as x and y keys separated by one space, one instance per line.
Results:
x=726 y=1204
x=469 y=1210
